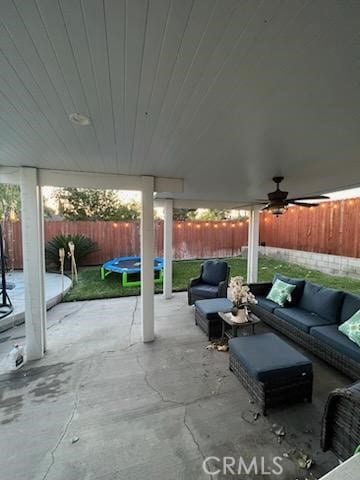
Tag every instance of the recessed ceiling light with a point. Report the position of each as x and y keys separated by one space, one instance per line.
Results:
x=79 y=119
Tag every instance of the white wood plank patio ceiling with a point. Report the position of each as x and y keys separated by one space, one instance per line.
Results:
x=222 y=93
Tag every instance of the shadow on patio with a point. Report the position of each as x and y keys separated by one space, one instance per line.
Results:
x=103 y=405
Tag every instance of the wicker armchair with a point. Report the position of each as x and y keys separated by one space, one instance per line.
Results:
x=341 y=422
x=211 y=283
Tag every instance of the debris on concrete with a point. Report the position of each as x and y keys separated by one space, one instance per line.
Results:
x=278 y=430
x=218 y=345
x=304 y=461
x=222 y=348
x=75 y=439
x=250 y=416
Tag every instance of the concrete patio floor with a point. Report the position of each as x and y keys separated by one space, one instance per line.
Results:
x=53 y=293
x=141 y=411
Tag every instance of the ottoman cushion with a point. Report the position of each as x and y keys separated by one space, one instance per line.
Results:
x=209 y=308
x=270 y=359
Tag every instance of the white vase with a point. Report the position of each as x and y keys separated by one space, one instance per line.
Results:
x=241 y=316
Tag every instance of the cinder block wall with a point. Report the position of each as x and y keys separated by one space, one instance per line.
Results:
x=331 y=264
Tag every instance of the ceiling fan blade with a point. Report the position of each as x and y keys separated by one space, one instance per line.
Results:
x=303 y=204
x=267 y=207
x=244 y=206
x=310 y=197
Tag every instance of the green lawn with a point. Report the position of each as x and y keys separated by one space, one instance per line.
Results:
x=90 y=286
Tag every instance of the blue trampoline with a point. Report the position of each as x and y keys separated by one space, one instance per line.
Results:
x=130 y=268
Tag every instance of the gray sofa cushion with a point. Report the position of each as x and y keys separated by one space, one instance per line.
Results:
x=214 y=272
x=350 y=305
x=209 y=308
x=326 y=302
x=278 y=361
x=297 y=293
x=337 y=340
x=301 y=318
x=266 y=304
x=205 y=290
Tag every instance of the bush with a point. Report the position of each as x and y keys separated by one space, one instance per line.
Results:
x=83 y=247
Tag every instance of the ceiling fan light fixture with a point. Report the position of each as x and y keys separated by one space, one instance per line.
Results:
x=277 y=209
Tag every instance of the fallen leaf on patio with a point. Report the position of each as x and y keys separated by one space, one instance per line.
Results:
x=250 y=417
x=302 y=459
x=278 y=430
x=305 y=462
x=222 y=348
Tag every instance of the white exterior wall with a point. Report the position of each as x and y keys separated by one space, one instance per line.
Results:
x=331 y=264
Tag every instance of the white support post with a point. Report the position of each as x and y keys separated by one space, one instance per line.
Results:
x=147 y=258
x=168 y=231
x=253 y=246
x=42 y=265
x=34 y=264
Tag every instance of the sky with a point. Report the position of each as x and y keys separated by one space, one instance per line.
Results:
x=351 y=193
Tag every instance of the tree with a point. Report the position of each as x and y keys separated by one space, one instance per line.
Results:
x=93 y=204
x=10 y=206
x=212 y=214
x=10 y=203
x=184 y=214
x=201 y=214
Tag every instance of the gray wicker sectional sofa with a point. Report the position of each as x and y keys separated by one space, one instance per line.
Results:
x=312 y=319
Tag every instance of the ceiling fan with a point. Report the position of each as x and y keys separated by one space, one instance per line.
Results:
x=278 y=202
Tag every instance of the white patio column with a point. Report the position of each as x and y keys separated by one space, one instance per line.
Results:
x=147 y=258
x=33 y=263
x=253 y=246
x=168 y=234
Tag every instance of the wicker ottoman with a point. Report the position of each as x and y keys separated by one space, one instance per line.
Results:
x=206 y=315
x=272 y=371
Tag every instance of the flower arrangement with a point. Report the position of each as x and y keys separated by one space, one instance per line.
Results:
x=240 y=293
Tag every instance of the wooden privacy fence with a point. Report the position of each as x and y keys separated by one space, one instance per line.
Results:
x=333 y=228
x=114 y=239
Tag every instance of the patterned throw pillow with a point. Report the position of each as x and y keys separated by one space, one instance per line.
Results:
x=351 y=328
x=281 y=292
